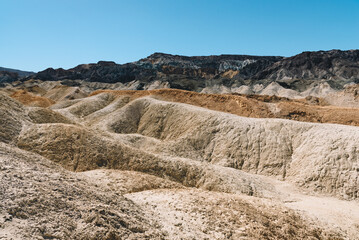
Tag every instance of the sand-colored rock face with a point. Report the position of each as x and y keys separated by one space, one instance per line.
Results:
x=168 y=164
x=12 y=118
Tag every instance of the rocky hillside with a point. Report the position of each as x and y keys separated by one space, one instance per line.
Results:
x=213 y=73
x=6 y=76
x=10 y=75
x=337 y=67
x=190 y=73
x=19 y=72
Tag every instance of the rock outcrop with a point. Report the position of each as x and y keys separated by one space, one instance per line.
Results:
x=336 y=67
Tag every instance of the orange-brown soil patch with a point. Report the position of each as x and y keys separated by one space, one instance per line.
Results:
x=30 y=99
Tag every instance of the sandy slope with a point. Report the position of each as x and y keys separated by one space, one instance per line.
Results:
x=338 y=214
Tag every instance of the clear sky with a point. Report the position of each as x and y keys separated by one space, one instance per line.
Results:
x=36 y=34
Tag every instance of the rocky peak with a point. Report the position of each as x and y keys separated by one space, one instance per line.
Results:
x=106 y=63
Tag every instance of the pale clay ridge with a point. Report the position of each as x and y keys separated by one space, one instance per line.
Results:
x=319 y=156
x=320 y=89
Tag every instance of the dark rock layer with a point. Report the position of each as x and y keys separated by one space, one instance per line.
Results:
x=195 y=73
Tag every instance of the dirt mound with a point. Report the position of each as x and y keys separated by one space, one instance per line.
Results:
x=35 y=89
x=65 y=103
x=12 y=118
x=349 y=97
x=277 y=90
x=80 y=109
x=41 y=200
x=45 y=115
x=60 y=93
x=320 y=90
x=29 y=99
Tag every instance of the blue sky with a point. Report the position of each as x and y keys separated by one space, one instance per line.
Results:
x=36 y=34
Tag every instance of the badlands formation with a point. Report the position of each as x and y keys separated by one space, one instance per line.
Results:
x=174 y=164
x=259 y=148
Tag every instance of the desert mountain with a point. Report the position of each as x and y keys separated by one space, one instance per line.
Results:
x=336 y=66
x=190 y=73
x=11 y=75
x=6 y=77
x=223 y=73
x=19 y=72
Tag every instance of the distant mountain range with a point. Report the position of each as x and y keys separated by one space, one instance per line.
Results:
x=334 y=67
x=11 y=75
x=19 y=72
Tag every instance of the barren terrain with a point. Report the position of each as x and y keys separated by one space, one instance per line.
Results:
x=173 y=164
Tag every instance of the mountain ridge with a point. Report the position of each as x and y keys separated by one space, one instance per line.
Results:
x=337 y=68
x=21 y=73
